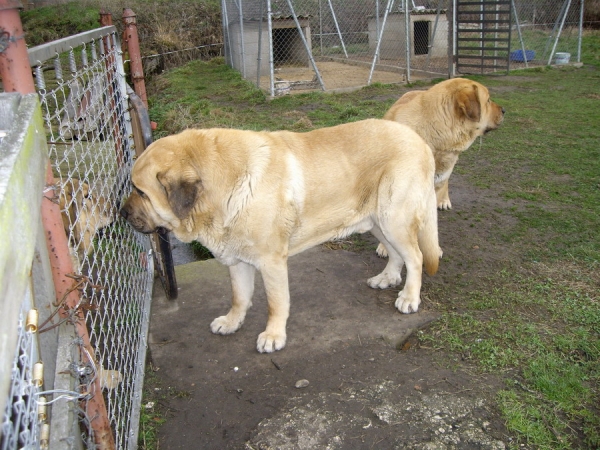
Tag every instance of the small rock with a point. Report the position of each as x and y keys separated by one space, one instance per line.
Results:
x=302 y=383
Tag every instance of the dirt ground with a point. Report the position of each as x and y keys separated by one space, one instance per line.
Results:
x=368 y=380
x=336 y=76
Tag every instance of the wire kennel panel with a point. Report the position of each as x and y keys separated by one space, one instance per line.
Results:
x=546 y=32
x=82 y=90
x=284 y=45
x=25 y=410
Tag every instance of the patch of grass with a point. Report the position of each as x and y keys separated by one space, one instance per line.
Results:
x=547 y=158
x=210 y=94
x=49 y=23
x=152 y=414
x=201 y=252
x=177 y=30
x=543 y=325
x=354 y=243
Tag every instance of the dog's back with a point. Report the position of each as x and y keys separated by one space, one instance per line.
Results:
x=338 y=178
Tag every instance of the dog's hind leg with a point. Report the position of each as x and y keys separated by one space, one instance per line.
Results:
x=391 y=275
x=242 y=283
x=402 y=237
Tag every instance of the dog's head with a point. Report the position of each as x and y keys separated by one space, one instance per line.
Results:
x=472 y=102
x=166 y=186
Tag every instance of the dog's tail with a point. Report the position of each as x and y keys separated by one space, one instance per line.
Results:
x=428 y=236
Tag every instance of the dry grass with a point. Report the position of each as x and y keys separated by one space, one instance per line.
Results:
x=175 y=31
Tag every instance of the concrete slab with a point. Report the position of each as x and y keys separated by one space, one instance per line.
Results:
x=359 y=391
x=330 y=302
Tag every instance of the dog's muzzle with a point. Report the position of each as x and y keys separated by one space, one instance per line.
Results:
x=134 y=220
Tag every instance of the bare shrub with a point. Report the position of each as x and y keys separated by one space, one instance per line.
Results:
x=171 y=32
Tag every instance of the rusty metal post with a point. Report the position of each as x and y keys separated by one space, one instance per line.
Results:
x=130 y=37
x=17 y=77
x=60 y=261
x=105 y=18
x=15 y=70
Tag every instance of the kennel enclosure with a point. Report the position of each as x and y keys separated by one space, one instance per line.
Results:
x=335 y=45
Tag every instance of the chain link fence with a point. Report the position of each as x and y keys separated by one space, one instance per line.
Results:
x=285 y=45
x=546 y=32
x=24 y=416
x=100 y=347
x=84 y=102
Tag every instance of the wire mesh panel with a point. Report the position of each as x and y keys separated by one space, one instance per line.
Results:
x=548 y=32
x=82 y=90
x=284 y=45
x=21 y=424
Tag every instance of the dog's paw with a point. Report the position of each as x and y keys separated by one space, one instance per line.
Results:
x=384 y=280
x=270 y=342
x=381 y=251
x=445 y=205
x=226 y=324
x=407 y=305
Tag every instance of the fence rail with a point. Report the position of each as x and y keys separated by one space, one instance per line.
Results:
x=93 y=349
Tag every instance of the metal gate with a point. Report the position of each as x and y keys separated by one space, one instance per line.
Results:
x=482 y=35
x=81 y=85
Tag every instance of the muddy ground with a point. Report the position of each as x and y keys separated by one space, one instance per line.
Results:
x=370 y=382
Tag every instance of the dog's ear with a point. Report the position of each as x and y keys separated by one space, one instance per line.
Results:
x=181 y=193
x=467 y=103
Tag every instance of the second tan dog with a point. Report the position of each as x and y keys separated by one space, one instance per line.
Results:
x=256 y=198
x=83 y=214
x=449 y=116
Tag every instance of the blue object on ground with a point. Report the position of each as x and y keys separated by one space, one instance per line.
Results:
x=517 y=55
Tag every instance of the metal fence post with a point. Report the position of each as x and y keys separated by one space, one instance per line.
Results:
x=130 y=36
x=14 y=67
x=105 y=18
x=17 y=77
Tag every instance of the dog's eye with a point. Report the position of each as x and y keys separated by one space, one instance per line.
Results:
x=139 y=192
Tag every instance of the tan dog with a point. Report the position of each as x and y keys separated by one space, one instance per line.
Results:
x=256 y=198
x=83 y=214
x=449 y=116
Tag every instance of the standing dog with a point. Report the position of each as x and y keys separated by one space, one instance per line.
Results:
x=256 y=198
x=449 y=116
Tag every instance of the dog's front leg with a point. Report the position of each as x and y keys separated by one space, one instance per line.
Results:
x=242 y=284
x=442 y=195
x=275 y=277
